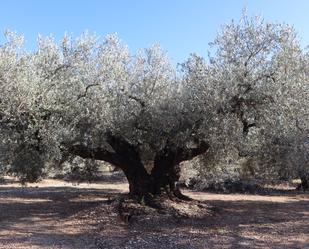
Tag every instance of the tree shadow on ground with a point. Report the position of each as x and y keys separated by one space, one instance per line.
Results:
x=49 y=240
x=65 y=201
x=233 y=224
x=49 y=217
x=46 y=216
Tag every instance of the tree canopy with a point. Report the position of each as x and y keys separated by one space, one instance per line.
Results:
x=94 y=99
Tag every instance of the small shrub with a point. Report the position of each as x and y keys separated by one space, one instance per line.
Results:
x=27 y=165
x=79 y=169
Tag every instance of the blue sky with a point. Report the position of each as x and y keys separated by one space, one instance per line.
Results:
x=180 y=26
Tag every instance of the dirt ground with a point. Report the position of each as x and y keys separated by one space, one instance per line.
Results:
x=57 y=214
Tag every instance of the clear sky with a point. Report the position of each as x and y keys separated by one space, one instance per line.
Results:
x=180 y=26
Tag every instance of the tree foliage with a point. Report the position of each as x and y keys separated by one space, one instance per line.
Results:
x=256 y=81
x=247 y=101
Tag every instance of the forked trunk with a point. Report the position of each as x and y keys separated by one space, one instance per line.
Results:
x=165 y=173
x=166 y=170
x=162 y=183
x=163 y=179
x=139 y=181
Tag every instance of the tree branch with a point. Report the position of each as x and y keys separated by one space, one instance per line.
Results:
x=184 y=154
x=140 y=101
x=94 y=153
x=86 y=90
x=54 y=72
x=124 y=154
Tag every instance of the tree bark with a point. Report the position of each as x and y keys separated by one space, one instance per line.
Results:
x=124 y=156
x=166 y=170
x=164 y=175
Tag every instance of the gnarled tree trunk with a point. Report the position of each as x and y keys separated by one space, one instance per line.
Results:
x=164 y=176
x=166 y=170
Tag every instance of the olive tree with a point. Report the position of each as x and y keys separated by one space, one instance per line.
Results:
x=256 y=81
x=19 y=126
x=95 y=100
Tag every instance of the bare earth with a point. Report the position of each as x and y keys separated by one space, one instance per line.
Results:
x=56 y=214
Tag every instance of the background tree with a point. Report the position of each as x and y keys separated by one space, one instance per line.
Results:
x=256 y=83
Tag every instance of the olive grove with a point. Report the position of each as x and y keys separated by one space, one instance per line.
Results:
x=93 y=99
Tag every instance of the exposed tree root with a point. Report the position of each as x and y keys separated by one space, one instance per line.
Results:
x=134 y=210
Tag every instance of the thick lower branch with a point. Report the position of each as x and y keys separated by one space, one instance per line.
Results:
x=94 y=153
x=166 y=171
x=123 y=155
